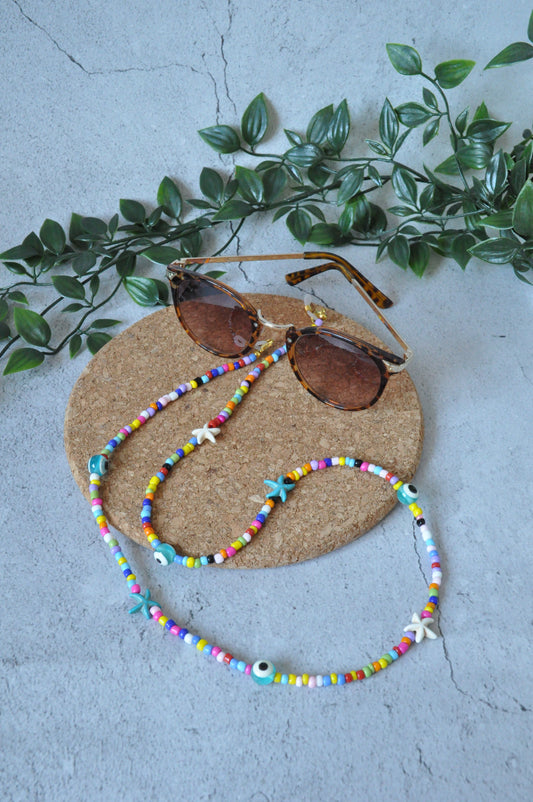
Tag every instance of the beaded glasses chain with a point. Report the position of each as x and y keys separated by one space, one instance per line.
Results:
x=261 y=670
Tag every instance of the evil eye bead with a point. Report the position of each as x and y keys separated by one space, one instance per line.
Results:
x=263 y=672
x=164 y=554
x=98 y=464
x=407 y=494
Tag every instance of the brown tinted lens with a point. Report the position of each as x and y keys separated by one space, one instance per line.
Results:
x=212 y=317
x=337 y=371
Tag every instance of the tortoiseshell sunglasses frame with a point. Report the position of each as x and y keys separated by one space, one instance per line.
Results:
x=387 y=362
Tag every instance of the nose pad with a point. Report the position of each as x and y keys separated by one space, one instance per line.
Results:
x=316 y=313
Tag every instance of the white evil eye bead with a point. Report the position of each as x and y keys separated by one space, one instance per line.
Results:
x=98 y=464
x=407 y=494
x=164 y=554
x=263 y=672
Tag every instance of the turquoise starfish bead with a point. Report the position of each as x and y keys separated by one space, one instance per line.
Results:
x=279 y=488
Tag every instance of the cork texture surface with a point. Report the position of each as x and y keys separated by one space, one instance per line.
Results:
x=212 y=496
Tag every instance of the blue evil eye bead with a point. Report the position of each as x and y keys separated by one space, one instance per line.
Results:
x=164 y=554
x=407 y=494
x=263 y=672
x=98 y=464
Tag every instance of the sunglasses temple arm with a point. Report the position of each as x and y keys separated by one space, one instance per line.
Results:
x=349 y=272
x=407 y=351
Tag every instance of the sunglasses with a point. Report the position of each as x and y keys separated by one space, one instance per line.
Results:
x=341 y=371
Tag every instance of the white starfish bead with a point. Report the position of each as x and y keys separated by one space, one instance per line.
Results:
x=205 y=433
x=420 y=627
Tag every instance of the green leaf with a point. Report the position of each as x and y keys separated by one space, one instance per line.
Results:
x=339 y=127
x=475 y=156
x=23 y=359
x=452 y=73
x=83 y=262
x=377 y=147
x=304 y=155
x=17 y=269
x=113 y=225
x=191 y=245
x=211 y=184
x=169 y=197
x=31 y=326
x=293 y=137
x=388 y=125
x=325 y=234
x=132 y=210
x=430 y=99
x=126 y=263
x=299 y=224
x=404 y=59
x=26 y=250
x=142 y=290
x=254 y=121
x=497 y=251
x=419 y=253
x=401 y=211
x=500 y=220
x=350 y=186
x=315 y=210
x=4 y=308
x=53 y=237
x=17 y=296
x=69 y=287
x=162 y=292
x=374 y=175
x=103 y=323
x=233 y=210
x=518 y=175
x=94 y=285
x=97 y=340
x=74 y=345
x=214 y=273
x=317 y=130
x=486 y=130
x=481 y=113
x=75 y=307
x=448 y=166
x=398 y=250
x=161 y=254
x=274 y=182
x=93 y=226
x=462 y=120
x=283 y=210
x=5 y=332
x=413 y=114
x=198 y=203
x=430 y=131
x=404 y=185
x=221 y=138
x=530 y=28
x=319 y=174
x=250 y=184
x=496 y=173
x=460 y=248
x=518 y=51
x=523 y=211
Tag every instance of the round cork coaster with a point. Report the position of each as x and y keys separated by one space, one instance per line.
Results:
x=213 y=495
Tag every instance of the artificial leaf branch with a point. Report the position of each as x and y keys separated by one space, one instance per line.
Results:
x=477 y=200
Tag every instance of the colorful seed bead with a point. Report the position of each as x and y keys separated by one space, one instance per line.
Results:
x=262 y=671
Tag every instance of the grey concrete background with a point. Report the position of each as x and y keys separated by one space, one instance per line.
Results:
x=100 y=101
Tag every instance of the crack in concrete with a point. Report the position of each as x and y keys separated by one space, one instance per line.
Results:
x=467 y=694
x=215 y=89
x=415 y=543
x=116 y=70
x=311 y=291
x=422 y=762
